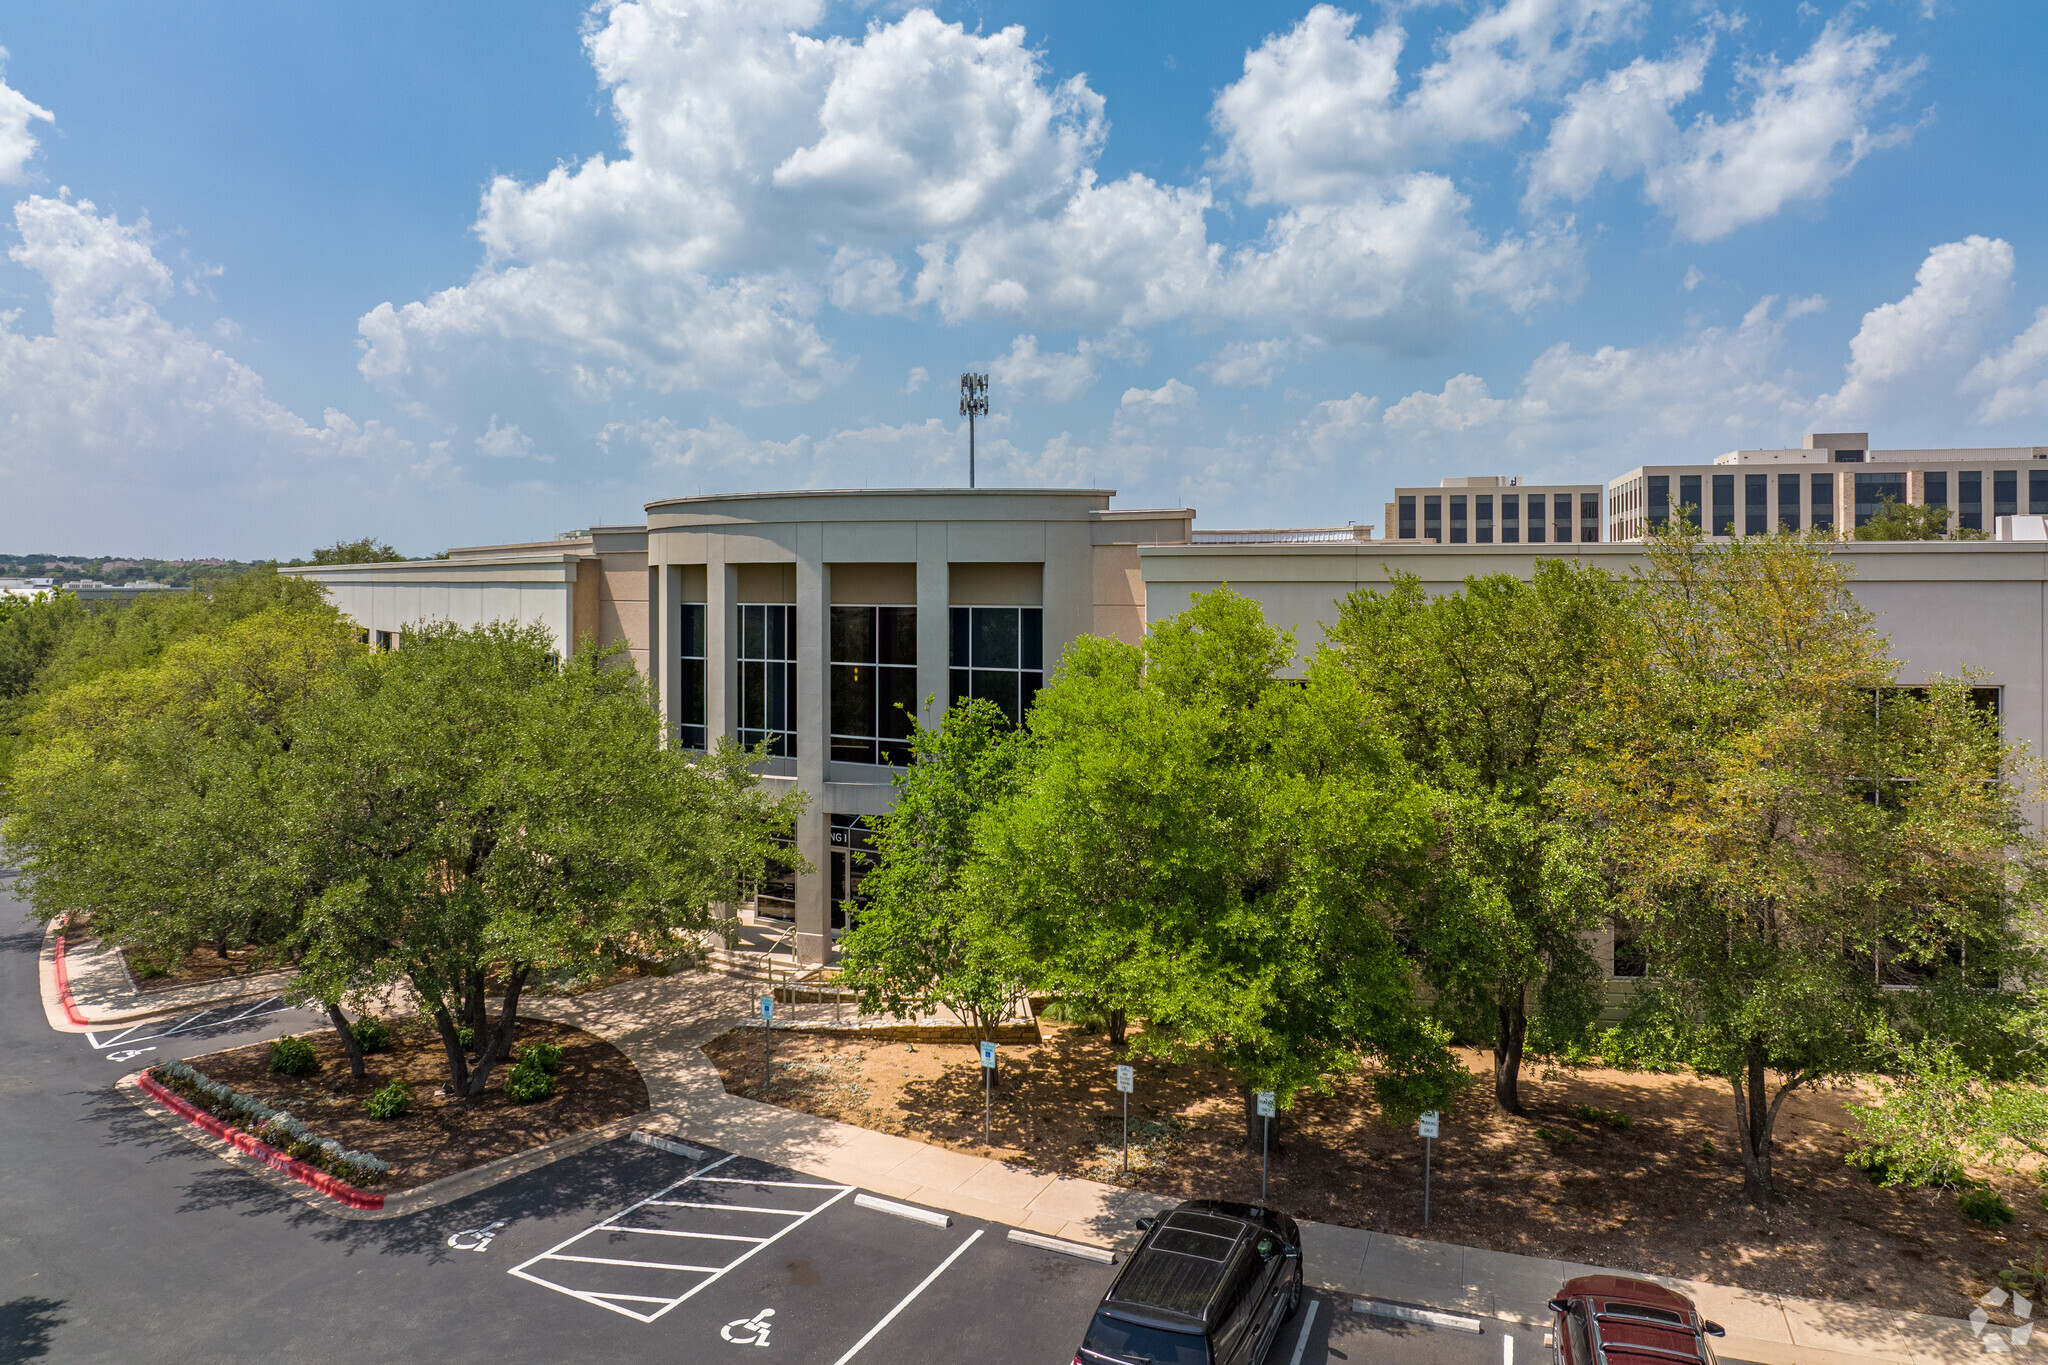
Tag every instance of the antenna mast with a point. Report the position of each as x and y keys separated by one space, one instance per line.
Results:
x=973 y=404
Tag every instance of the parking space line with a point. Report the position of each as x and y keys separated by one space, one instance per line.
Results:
x=922 y=1285
x=677 y=1232
x=270 y=1004
x=648 y=1265
x=844 y=1190
x=729 y=1208
x=777 y=1184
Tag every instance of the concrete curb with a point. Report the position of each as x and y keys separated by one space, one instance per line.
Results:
x=65 y=1013
x=331 y=1186
x=399 y=1203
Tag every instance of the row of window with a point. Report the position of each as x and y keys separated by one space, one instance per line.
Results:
x=1549 y=518
x=992 y=652
x=1709 y=500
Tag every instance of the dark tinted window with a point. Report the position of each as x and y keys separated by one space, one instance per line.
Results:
x=1536 y=518
x=2005 y=492
x=1823 y=488
x=1408 y=516
x=1128 y=1341
x=1724 y=505
x=1970 y=499
x=1937 y=488
x=1755 y=494
x=1643 y=1311
x=1659 y=510
x=1689 y=497
x=1788 y=501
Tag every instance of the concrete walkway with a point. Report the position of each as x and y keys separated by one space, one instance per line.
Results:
x=93 y=989
x=661 y=1023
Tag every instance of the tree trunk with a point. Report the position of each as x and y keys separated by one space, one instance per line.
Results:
x=473 y=1010
x=348 y=1041
x=1512 y=1027
x=1754 y=1119
x=499 y=1047
x=451 y=1043
x=1119 y=1027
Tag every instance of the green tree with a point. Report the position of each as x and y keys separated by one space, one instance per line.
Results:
x=924 y=937
x=1219 y=849
x=1488 y=691
x=368 y=550
x=1783 y=822
x=1897 y=520
x=473 y=811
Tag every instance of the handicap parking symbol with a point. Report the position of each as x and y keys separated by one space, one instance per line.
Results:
x=748 y=1331
x=475 y=1239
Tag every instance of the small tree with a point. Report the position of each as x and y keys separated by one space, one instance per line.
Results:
x=1489 y=691
x=1897 y=520
x=368 y=550
x=923 y=937
x=1783 y=821
x=476 y=811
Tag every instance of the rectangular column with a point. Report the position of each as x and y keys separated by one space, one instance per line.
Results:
x=813 y=742
x=934 y=596
x=721 y=648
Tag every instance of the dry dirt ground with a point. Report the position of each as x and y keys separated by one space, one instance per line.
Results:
x=201 y=964
x=1663 y=1195
x=438 y=1136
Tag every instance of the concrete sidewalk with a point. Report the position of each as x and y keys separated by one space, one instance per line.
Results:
x=87 y=986
x=661 y=1023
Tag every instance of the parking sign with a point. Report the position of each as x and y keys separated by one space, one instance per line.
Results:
x=988 y=1054
x=1427 y=1126
x=1124 y=1079
x=1265 y=1104
x=767 y=1007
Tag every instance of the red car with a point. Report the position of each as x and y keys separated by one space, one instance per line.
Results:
x=1612 y=1320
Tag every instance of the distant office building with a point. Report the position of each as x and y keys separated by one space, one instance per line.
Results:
x=1834 y=482
x=1495 y=510
x=26 y=587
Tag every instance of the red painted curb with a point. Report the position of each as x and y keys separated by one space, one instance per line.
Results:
x=291 y=1166
x=64 y=987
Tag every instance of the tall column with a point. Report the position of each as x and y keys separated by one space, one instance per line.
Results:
x=721 y=646
x=934 y=596
x=669 y=611
x=813 y=742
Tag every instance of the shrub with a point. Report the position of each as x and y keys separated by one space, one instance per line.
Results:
x=528 y=1083
x=466 y=1037
x=294 y=1056
x=546 y=1056
x=1986 y=1206
x=371 y=1035
x=391 y=1101
x=1613 y=1118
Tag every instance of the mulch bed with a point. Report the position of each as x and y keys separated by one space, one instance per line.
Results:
x=439 y=1136
x=1662 y=1196
x=201 y=965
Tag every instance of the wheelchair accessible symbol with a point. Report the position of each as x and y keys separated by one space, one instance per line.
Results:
x=748 y=1331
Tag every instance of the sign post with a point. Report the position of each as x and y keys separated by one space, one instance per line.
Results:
x=988 y=1076
x=767 y=1043
x=1125 y=1078
x=1426 y=1129
x=1265 y=1098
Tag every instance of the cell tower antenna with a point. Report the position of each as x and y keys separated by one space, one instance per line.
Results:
x=973 y=404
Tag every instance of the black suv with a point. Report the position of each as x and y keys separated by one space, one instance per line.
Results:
x=1209 y=1284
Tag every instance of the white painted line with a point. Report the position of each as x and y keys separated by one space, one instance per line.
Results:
x=1308 y=1321
x=1507 y=1349
x=650 y=1265
x=1428 y=1317
x=669 y=1145
x=678 y=1232
x=910 y=1211
x=923 y=1284
x=729 y=1208
x=1081 y=1249
x=772 y=1184
x=844 y=1190
x=566 y=1241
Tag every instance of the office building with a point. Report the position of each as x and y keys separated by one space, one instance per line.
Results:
x=1834 y=482
x=1495 y=510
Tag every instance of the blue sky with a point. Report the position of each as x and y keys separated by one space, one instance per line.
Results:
x=277 y=275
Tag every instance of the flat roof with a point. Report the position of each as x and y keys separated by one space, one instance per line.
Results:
x=886 y=493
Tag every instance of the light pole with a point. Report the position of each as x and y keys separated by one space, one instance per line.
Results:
x=973 y=404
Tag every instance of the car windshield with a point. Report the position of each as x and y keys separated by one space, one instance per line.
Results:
x=1113 y=1339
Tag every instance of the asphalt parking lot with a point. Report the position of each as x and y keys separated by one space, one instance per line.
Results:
x=121 y=1241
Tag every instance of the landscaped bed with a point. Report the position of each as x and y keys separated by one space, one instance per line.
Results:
x=1662 y=1195
x=438 y=1136
x=202 y=965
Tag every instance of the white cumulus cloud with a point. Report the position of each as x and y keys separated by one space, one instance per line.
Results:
x=18 y=114
x=1057 y=376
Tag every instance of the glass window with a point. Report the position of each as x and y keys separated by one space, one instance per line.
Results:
x=852 y=837
x=1482 y=508
x=2005 y=492
x=1724 y=505
x=1935 y=491
x=1589 y=517
x=1659 y=510
x=690 y=677
x=767 y=663
x=1874 y=490
x=1120 y=1340
x=1457 y=519
x=1970 y=499
x=1537 y=516
x=1823 y=488
x=1689 y=497
x=1433 y=519
x=1407 y=516
x=1561 y=518
x=775 y=897
x=997 y=653
x=874 y=683
x=2037 y=491
x=1788 y=501
x=1510 y=519
x=1756 y=512
x=1848 y=457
